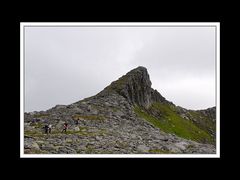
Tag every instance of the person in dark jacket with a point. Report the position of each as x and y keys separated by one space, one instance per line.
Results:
x=65 y=126
x=46 y=129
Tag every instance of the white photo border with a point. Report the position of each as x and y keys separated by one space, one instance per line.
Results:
x=23 y=25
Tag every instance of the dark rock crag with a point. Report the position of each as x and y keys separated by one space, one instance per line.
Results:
x=135 y=86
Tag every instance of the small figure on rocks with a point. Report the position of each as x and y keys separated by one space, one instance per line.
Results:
x=46 y=128
x=49 y=128
x=76 y=121
x=65 y=126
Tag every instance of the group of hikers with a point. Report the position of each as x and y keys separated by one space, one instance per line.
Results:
x=48 y=128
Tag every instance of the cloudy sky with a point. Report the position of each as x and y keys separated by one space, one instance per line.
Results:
x=66 y=64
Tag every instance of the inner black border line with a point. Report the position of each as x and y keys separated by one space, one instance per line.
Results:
x=216 y=53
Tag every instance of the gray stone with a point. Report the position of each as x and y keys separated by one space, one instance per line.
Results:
x=133 y=136
x=68 y=140
x=31 y=145
x=182 y=145
x=60 y=124
x=143 y=148
x=60 y=106
x=98 y=138
x=66 y=150
x=76 y=129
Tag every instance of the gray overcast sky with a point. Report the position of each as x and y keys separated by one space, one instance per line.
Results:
x=67 y=64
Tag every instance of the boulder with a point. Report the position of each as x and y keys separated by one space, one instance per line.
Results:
x=143 y=148
x=60 y=106
x=76 y=129
x=98 y=138
x=182 y=145
x=30 y=144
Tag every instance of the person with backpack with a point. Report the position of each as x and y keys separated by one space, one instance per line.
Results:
x=76 y=121
x=49 y=128
x=65 y=126
x=46 y=129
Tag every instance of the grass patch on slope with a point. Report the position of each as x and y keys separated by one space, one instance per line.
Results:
x=170 y=122
x=159 y=151
x=37 y=125
x=33 y=133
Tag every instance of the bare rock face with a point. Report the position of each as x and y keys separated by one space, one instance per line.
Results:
x=210 y=112
x=135 y=86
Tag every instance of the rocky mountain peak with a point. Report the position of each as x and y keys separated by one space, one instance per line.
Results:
x=127 y=117
x=135 y=86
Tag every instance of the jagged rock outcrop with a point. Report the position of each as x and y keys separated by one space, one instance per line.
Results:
x=135 y=86
x=210 y=112
x=128 y=116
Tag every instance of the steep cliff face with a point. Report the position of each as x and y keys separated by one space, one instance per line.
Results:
x=135 y=86
x=127 y=117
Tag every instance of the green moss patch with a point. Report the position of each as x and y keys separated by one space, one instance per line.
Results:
x=33 y=133
x=166 y=118
x=159 y=151
x=37 y=125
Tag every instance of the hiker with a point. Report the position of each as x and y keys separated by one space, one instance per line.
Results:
x=65 y=126
x=49 y=128
x=46 y=129
x=76 y=121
